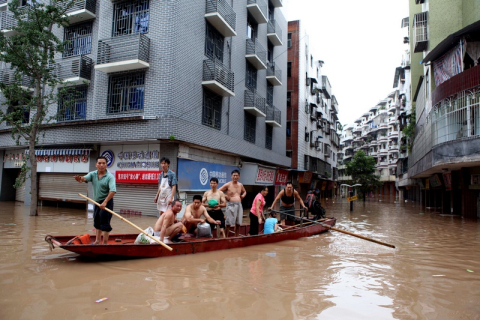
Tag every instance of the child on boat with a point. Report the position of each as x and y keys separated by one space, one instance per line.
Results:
x=271 y=224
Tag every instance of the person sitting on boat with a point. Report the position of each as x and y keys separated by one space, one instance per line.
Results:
x=271 y=224
x=256 y=212
x=287 y=203
x=166 y=223
x=193 y=215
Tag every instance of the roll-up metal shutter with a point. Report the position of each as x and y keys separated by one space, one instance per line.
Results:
x=20 y=193
x=61 y=187
x=135 y=199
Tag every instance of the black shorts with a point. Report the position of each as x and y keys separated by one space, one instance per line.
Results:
x=101 y=218
x=217 y=215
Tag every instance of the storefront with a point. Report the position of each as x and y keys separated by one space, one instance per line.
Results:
x=194 y=177
x=254 y=177
x=12 y=163
x=56 y=168
x=136 y=169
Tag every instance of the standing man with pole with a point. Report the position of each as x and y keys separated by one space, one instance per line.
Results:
x=104 y=189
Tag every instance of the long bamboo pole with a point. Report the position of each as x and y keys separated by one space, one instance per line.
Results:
x=125 y=220
x=346 y=232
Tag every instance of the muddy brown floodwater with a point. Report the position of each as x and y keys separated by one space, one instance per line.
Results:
x=434 y=273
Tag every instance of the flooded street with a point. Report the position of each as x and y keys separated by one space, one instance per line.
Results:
x=434 y=273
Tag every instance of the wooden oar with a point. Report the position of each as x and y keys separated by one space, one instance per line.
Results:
x=125 y=220
x=346 y=232
x=304 y=224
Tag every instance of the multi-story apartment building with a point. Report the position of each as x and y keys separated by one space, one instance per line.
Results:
x=312 y=121
x=202 y=82
x=445 y=93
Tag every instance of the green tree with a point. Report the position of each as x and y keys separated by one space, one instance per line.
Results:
x=31 y=93
x=362 y=170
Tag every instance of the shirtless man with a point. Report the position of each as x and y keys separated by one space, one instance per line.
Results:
x=166 y=223
x=235 y=192
x=216 y=212
x=193 y=215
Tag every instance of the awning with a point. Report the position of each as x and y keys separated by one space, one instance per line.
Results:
x=60 y=152
x=451 y=41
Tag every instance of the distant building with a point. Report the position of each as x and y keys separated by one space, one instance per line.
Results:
x=312 y=139
x=445 y=71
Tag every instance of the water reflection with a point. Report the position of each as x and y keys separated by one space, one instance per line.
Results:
x=329 y=276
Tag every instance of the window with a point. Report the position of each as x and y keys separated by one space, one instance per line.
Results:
x=289 y=41
x=289 y=153
x=270 y=94
x=18 y=113
x=311 y=61
x=251 y=28
x=289 y=129
x=250 y=127
x=270 y=52
x=78 y=40
x=251 y=77
x=131 y=17
x=72 y=105
x=289 y=99
x=305 y=162
x=268 y=137
x=212 y=110
x=214 y=43
x=126 y=93
x=289 y=69
x=307 y=135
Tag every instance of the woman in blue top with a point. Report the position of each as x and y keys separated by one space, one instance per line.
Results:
x=271 y=224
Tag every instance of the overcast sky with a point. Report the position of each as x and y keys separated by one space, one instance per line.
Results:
x=361 y=43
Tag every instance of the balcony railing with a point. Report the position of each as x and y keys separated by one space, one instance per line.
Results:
x=254 y=104
x=274 y=74
x=420 y=31
x=82 y=10
x=256 y=54
x=258 y=10
x=326 y=88
x=8 y=77
x=274 y=33
x=75 y=71
x=274 y=116
x=221 y=15
x=7 y=23
x=123 y=53
x=218 y=78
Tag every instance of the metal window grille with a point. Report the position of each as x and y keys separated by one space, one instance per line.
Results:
x=128 y=47
x=72 y=104
x=126 y=93
x=251 y=77
x=212 y=110
x=273 y=114
x=214 y=43
x=78 y=40
x=270 y=94
x=289 y=42
x=131 y=17
x=273 y=70
x=269 y=137
x=254 y=47
x=224 y=9
x=250 y=125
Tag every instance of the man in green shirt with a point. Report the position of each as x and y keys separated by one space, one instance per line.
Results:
x=104 y=189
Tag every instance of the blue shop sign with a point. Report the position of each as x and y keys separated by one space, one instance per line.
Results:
x=108 y=154
x=195 y=175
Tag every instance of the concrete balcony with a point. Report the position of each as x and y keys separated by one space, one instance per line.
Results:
x=393 y=134
x=274 y=33
x=274 y=74
x=123 y=53
x=277 y=3
x=74 y=71
x=326 y=87
x=382 y=138
x=392 y=120
x=348 y=138
x=3 y=5
x=218 y=78
x=383 y=152
x=258 y=10
x=392 y=108
x=221 y=15
x=393 y=147
x=256 y=54
x=82 y=10
x=274 y=116
x=255 y=104
x=373 y=154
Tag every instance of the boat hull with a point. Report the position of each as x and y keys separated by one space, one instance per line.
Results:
x=122 y=245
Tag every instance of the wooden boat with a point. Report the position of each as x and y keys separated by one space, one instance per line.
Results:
x=122 y=245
